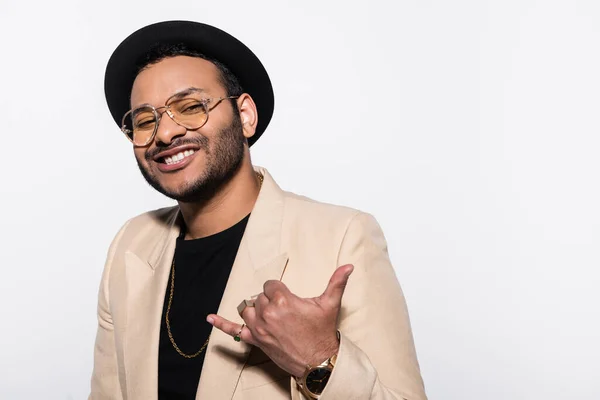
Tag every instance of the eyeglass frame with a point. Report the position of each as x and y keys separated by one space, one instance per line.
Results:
x=158 y=115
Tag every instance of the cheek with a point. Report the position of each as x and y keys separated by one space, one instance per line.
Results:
x=140 y=156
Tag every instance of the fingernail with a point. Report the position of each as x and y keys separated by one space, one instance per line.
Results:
x=210 y=320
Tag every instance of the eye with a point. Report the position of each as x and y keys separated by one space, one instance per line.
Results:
x=190 y=107
x=144 y=123
x=193 y=108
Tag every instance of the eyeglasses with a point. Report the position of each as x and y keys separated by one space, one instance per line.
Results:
x=187 y=109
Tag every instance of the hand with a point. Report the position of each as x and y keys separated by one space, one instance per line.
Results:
x=291 y=330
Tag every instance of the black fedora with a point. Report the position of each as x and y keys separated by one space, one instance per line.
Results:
x=122 y=66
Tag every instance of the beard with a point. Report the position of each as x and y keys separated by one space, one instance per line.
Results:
x=223 y=160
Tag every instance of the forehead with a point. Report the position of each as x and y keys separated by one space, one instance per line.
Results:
x=156 y=83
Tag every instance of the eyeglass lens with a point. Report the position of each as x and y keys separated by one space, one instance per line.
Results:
x=141 y=123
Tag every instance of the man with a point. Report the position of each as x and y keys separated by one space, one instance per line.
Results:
x=241 y=291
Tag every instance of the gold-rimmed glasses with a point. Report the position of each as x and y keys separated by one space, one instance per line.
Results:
x=188 y=109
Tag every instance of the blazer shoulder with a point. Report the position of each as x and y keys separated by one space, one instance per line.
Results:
x=159 y=216
x=145 y=226
x=320 y=213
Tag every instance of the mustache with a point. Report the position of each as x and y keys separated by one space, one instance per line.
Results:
x=199 y=141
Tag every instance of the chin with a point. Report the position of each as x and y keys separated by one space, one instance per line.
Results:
x=181 y=189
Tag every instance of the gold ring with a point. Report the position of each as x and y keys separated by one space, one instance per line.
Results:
x=237 y=337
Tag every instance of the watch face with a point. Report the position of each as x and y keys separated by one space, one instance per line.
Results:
x=317 y=379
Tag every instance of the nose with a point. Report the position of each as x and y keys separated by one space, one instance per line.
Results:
x=168 y=130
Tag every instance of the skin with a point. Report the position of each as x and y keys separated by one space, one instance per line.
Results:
x=232 y=196
x=293 y=331
x=216 y=189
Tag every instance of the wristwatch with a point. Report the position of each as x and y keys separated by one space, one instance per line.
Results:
x=313 y=382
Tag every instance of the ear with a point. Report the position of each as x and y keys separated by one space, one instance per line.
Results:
x=248 y=114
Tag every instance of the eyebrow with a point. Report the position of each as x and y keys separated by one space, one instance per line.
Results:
x=185 y=92
x=177 y=95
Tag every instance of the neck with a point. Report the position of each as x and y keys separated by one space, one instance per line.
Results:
x=234 y=201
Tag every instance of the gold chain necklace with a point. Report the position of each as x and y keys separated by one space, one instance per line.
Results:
x=181 y=353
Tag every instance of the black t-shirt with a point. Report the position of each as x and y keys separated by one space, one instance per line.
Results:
x=202 y=268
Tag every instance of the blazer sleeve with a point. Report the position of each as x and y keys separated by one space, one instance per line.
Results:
x=105 y=376
x=377 y=358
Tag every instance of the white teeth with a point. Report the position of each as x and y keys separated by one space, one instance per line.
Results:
x=174 y=159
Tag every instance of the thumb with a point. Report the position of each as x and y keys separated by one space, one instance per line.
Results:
x=336 y=286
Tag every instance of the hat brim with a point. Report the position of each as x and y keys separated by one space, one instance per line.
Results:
x=121 y=69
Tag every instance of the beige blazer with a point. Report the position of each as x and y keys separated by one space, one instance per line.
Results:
x=376 y=359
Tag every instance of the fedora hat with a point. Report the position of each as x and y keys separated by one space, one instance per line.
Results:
x=214 y=43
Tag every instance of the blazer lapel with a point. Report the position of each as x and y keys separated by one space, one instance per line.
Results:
x=146 y=285
x=259 y=258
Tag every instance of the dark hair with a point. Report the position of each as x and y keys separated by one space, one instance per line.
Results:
x=168 y=50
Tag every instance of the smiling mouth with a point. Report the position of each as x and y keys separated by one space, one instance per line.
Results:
x=176 y=158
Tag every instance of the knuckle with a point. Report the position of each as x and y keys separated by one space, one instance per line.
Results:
x=260 y=330
x=279 y=299
x=269 y=314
